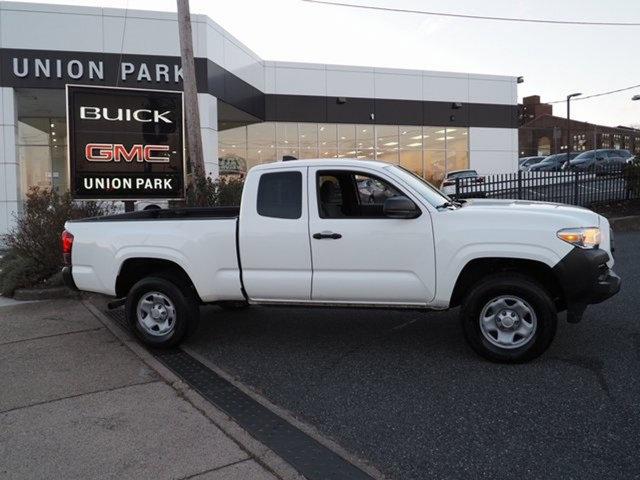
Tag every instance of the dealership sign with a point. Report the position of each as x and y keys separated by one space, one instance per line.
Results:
x=55 y=69
x=125 y=144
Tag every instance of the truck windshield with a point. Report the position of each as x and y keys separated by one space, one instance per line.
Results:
x=419 y=185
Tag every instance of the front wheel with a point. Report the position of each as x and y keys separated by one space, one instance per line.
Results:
x=161 y=314
x=509 y=318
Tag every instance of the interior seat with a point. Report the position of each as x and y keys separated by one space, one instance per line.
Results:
x=330 y=200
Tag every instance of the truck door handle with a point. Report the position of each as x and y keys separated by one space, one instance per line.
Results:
x=330 y=235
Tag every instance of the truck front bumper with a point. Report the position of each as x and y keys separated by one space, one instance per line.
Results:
x=586 y=279
x=67 y=278
x=608 y=285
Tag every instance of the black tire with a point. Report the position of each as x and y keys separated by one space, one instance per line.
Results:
x=187 y=311
x=523 y=287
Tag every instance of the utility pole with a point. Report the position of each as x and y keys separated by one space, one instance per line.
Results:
x=192 y=113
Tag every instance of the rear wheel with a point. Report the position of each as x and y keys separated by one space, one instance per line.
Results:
x=509 y=318
x=161 y=313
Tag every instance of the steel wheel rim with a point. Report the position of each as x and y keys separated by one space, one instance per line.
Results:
x=156 y=314
x=508 y=321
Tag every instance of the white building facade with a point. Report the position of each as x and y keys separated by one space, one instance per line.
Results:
x=252 y=110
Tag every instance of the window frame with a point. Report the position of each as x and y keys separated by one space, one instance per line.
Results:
x=353 y=173
x=285 y=172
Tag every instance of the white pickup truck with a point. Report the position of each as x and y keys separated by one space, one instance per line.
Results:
x=351 y=233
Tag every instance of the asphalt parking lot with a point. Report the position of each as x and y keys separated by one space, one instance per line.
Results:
x=403 y=391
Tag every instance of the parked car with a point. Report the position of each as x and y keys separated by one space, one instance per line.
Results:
x=618 y=159
x=552 y=163
x=525 y=163
x=620 y=153
x=472 y=185
x=510 y=265
x=373 y=191
x=599 y=161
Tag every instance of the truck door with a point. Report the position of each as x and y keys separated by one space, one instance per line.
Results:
x=360 y=255
x=274 y=236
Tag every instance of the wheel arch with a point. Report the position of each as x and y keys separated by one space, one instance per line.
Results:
x=478 y=268
x=135 y=269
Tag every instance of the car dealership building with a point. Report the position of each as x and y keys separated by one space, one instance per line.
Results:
x=252 y=110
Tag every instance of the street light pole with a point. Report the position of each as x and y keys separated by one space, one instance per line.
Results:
x=569 y=97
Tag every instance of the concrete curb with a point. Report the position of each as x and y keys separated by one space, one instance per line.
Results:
x=31 y=294
x=257 y=450
x=630 y=223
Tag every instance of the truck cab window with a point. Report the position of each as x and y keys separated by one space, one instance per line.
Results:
x=280 y=195
x=345 y=194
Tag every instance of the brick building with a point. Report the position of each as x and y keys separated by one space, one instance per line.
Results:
x=542 y=133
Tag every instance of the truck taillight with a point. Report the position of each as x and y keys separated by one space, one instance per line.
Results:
x=67 y=245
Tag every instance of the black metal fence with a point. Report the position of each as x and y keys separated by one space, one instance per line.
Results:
x=582 y=188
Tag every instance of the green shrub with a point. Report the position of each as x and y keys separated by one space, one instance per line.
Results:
x=229 y=191
x=17 y=272
x=34 y=250
x=221 y=192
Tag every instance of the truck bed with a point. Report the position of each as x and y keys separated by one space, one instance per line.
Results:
x=190 y=213
x=202 y=241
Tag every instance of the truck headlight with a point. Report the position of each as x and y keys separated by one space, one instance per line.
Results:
x=585 y=237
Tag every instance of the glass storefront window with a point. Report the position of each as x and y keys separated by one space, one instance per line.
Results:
x=434 y=138
x=429 y=152
x=457 y=149
x=434 y=166
x=411 y=149
x=261 y=141
x=435 y=159
x=43 y=153
x=59 y=169
x=346 y=141
x=287 y=140
x=328 y=140
x=308 y=134
x=232 y=150
x=387 y=143
x=42 y=139
x=365 y=148
x=35 y=167
x=33 y=131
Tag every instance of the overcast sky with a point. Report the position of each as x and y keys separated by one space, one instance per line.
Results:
x=554 y=59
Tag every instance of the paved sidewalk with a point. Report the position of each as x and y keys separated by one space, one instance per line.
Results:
x=77 y=403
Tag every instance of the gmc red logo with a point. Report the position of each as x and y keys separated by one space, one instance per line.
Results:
x=117 y=152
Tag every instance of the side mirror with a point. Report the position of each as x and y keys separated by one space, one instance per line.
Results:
x=400 y=207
